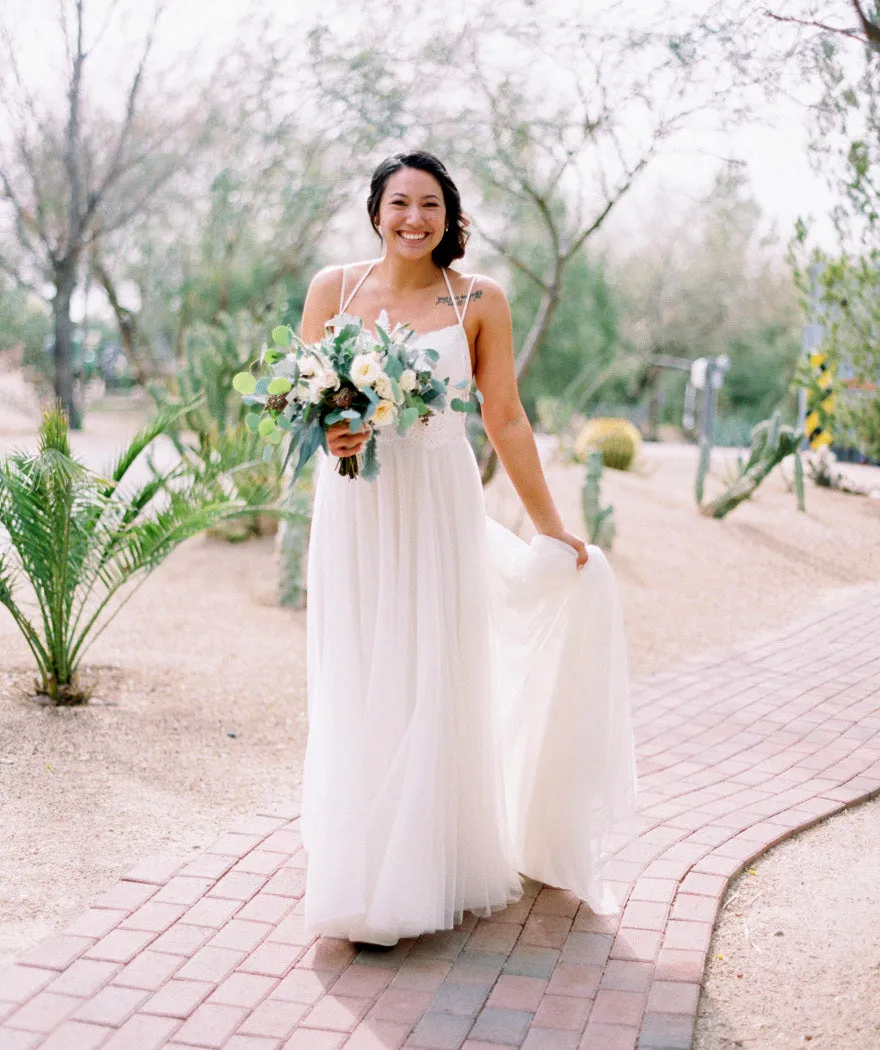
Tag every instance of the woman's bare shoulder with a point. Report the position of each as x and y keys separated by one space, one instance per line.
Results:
x=330 y=277
x=487 y=297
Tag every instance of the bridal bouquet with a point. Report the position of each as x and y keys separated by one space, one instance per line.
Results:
x=351 y=375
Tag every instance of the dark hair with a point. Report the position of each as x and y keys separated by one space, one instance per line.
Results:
x=456 y=236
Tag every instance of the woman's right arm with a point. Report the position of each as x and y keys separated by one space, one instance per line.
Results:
x=322 y=303
x=322 y=300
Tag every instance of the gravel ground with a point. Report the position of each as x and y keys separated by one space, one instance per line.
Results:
x=198 y=717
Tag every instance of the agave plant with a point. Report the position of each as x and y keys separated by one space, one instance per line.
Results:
x=79 y=539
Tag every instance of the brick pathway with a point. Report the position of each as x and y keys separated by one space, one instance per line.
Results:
x=735 y=754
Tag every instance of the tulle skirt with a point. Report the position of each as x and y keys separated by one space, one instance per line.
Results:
x=468 y=710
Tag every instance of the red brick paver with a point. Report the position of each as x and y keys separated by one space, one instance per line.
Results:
x=735 y=754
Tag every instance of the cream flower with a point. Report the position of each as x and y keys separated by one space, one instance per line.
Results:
x=383 y=416
x=364 y=370
x=383 y=387
x=309 y=366
x=331 y=379
x=408 y=380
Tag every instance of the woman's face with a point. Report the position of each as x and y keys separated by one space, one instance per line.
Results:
x=412 y=213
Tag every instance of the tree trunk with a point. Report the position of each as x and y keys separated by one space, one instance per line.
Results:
x=65 y=389
x=530 y=349
x=126 y=321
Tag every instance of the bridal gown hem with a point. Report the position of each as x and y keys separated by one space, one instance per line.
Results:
x=468 y=708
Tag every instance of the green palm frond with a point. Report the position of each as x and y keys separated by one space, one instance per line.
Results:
x=79 y=540
x=165 y=422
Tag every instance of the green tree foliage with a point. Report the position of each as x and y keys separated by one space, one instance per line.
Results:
x=214 y=445
x=583 y=336
x=709 y=284
x=24 y=326
x=842 y=288
x=71 y=540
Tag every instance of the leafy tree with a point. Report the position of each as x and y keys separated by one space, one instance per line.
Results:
x=707 y=285
x=842 y=287
x=583 y=337
x=24 y=325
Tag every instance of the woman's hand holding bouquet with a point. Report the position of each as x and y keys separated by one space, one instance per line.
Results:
x=335 y=394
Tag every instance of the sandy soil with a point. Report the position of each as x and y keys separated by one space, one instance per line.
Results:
x=795 y=960
x=199 y=707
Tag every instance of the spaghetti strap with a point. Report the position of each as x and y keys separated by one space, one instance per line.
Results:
x=345 y=303
x=342 y=289
x=458 y=314
x=467 y=300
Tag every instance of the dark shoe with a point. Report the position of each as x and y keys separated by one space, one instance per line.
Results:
x=368 y=946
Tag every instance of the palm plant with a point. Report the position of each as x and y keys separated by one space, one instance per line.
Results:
x=77 y=539
x=212 y=440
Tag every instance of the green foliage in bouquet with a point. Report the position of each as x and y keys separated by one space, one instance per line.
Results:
x=212 y=439
x=77 y=538
x=771 y=443
x=350 y=376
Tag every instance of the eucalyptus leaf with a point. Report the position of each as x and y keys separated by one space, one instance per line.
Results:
x=244 y=383
x=393 y=368
x=279 y=385
x=282 y=335
x=406 y=419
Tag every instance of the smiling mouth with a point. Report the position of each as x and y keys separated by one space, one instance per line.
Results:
x=412 y=238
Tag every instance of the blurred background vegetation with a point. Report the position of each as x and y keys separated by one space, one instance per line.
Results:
x=152 y=197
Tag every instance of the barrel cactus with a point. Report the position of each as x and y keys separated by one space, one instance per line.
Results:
x=617 y=439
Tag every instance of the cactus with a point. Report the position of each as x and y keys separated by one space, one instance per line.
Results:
x=617 y=439
x=702 y=468
x=599 y=520
x=771 y=443
x=293 y=541
x=799 y=481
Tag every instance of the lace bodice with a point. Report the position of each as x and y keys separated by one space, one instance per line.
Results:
x=455 y=365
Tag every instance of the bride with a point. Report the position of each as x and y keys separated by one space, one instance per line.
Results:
x=468 y=711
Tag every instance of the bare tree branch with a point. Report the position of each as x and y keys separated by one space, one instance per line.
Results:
x=869 y=28
x=811 y=24
x=113 y=170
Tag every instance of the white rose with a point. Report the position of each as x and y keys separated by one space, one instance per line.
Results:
x=408 y=380
x=364 y=370
x=331 y=379
x=384 y=414
x=309 y=366
x=316 y=389
x=383 y=387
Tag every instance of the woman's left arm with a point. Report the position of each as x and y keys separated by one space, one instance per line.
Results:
x=505 y=420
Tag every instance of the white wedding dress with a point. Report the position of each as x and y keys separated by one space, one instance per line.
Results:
x=468 y=706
